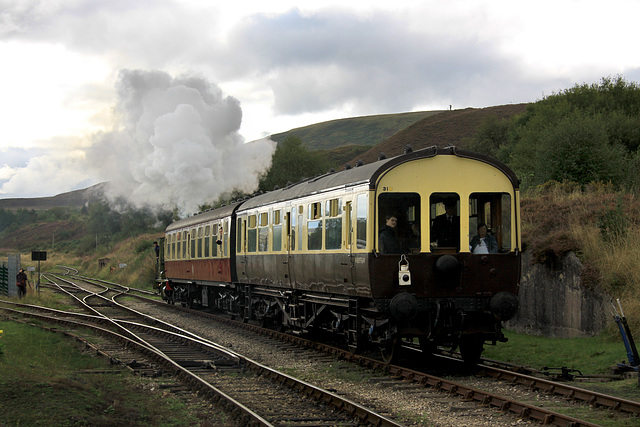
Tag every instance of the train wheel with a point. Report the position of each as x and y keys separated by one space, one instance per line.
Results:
x=428 y=349
x=471 y=349
x=389 y=349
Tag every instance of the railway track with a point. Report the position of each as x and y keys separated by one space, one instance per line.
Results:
x=402 y=377
x=263 y=395
x=608 y=404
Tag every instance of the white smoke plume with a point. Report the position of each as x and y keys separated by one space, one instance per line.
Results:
x=176 y=143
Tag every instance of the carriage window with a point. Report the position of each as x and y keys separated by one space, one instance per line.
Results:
x=223 y=236
x=315 y=210
x=252 y=234
x=300 y=225
x=314 y=228
x=214 y=239
x=207 y=240
x=361 y=221
x=173 y=246
x=489 y=222
x=405 y=236
x=277 y=230
x=333 y=233
x=178 y=251
x=444 y=218
x=184 y=244
x=199 y=243
x=192 y=239
x=294 y=222
x=263 y=232
x=239 y=236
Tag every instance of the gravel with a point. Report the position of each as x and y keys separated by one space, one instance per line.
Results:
x=411 y=404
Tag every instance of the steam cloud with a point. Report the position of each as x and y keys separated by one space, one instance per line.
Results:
x=176 y=143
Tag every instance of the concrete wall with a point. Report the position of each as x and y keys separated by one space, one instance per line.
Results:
x=12 y=266
x=554 y=303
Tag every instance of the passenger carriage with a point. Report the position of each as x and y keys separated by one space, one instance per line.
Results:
x=307 y=257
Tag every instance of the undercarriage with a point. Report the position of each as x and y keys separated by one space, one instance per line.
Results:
x=359 y=323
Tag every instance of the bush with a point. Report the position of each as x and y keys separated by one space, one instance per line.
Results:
x=613 y=224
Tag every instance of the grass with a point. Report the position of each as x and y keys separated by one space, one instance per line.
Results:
x=42 y=370
x=36 y=365
x=599 y=225
x=591 y=355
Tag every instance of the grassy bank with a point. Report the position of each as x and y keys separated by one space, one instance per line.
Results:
x=591 y=356
x=130 y=262
x=38 y=366
x=46 y=379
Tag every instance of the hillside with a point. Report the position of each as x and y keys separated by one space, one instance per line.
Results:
x=42 y=236
x=77 y=198
x=367 y=130
x=343 y=141
x=446 y=128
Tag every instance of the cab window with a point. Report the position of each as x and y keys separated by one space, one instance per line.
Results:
x=405 y=208
x=490 y=223
x=444 y=219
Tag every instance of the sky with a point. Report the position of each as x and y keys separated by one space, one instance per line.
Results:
x=156 y=97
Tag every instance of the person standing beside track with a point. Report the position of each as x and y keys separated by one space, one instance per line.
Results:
x=168 y=292
x=22 y=281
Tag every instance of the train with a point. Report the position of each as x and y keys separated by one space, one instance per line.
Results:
x=363 y=254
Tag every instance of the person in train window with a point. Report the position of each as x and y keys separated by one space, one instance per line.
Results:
x=446 y=227
x=414 y=238
x=483 y=243
x=388 y=238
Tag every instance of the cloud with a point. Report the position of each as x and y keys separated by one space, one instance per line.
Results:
x=330 y=59
x=175 y=142
x=44 y=175
x=291 y=64
x=144 y=33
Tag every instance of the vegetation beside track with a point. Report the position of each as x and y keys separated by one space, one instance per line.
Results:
x=46 y=379
x=595 y=216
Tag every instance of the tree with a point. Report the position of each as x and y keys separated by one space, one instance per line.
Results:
x=290 y=163
x=575 y=149
x=583 y=134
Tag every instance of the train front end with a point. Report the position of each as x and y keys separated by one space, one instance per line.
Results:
x=451 y=276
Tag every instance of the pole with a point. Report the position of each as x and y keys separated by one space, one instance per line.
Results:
x=632 y=344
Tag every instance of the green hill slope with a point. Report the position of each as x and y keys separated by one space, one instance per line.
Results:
x=343 y=141
x=446 y=128
x=367 y=131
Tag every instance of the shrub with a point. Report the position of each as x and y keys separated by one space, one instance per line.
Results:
x=613 y=223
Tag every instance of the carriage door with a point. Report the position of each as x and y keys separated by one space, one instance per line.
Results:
x=296 y=221
x=349 y=240
x=241 y=249
x=281 y=246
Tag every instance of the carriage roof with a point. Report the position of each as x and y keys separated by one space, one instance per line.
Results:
x=359 y=175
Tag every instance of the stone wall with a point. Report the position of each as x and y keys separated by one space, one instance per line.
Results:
x=554 y=303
